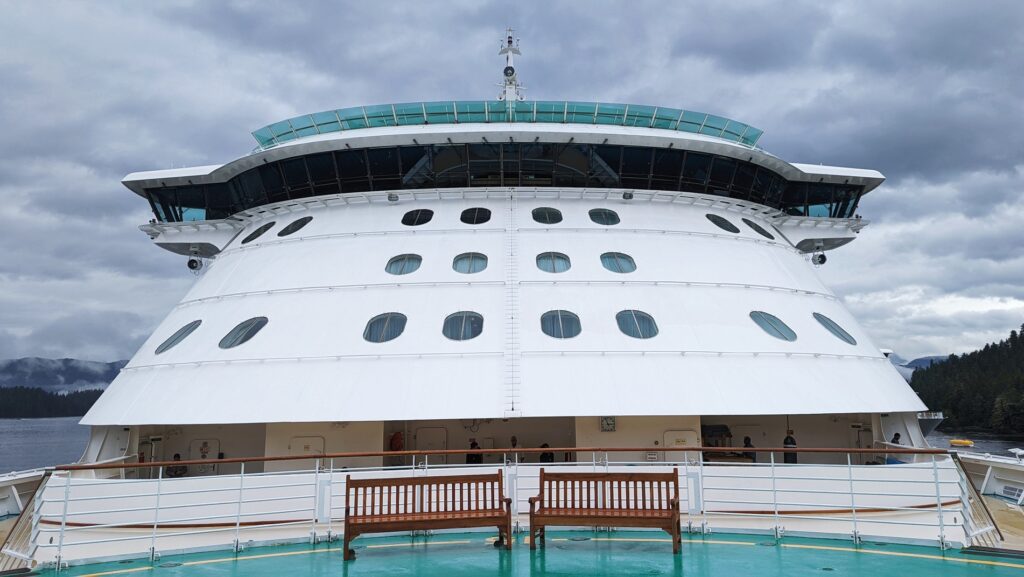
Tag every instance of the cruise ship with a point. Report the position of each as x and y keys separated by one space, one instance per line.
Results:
x=561 y=283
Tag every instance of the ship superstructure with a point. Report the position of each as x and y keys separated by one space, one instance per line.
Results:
x=430 y=274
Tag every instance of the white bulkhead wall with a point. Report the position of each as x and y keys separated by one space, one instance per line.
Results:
x=320 y=286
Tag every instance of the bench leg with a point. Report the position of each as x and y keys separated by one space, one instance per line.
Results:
x=677 y=539
x=534 y=536
x=508 y=534
x=349 y=554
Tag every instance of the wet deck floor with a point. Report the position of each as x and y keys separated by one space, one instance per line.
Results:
x=617 y=553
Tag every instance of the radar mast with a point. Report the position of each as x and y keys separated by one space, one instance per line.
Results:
x=513 y=91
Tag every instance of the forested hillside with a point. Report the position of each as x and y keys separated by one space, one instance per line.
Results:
x=27 y=402
x=980 y=389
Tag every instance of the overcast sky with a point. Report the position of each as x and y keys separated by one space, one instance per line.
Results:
x=929 y=93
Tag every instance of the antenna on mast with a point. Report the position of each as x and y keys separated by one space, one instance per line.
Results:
x=513 y=91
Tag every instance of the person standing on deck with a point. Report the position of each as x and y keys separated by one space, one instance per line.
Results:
x=749 y=454
x=790 y=443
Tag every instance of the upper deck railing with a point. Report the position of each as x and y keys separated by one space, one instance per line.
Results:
x=494 y=111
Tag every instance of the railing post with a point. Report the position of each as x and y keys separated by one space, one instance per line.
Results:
x=316 y=500
x=238 y=510
x=330 y=503
x=704 y=529
x=853 y=500
x=775 y=499
x=63 y=520
x=938 y=503
x=156 y=515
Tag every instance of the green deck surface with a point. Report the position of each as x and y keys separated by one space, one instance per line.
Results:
x=572 y=553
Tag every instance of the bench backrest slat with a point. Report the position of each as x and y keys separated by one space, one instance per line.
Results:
x=434 y=494
x=621 y=491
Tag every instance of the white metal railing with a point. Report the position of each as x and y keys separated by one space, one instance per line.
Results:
x=77 y=519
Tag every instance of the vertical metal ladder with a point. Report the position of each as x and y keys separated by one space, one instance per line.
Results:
x=512 y=352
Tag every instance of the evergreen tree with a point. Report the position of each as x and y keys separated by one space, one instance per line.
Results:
x=984 y=388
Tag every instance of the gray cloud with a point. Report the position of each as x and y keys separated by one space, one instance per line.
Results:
x=930 y=94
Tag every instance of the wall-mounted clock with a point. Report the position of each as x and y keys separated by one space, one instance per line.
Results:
x=607 y=424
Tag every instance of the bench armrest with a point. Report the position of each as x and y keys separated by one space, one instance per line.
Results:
x=507 y=501
x=533 y=503
x=674 y=503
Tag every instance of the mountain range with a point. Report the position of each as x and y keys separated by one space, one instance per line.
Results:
x=57 y=375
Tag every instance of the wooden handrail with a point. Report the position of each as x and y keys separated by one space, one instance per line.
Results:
x=506 y=451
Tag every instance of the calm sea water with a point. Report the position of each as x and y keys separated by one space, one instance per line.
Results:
x=31 y=443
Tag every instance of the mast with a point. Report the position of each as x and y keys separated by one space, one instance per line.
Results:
x=512 y=91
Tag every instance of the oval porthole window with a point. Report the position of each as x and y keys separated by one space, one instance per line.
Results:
x=604 y=216
x=403 y=264
x=758 y=229
x=463 y=325
x=722 y=223
x=618 y=262
x=834 y=328
x=547 y=215
x=417 y=217
x=475 y=215
x=636 y=324
x=178 y=336
x=469 y=263
x=244 y=331
x=773 y=325
x=258 y=232
x=385 y=327
x=294 y=226
x=560 y=324
x=553 y=262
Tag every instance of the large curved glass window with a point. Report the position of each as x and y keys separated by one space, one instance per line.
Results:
x=258 y=233
x=553 y=262
x=547 y=215
x=722 y=223
x=604 y=216
x=773 y=326
x=463 y=325
x=835 y=329
x=243 y=332
x=403 y=264
x=417 y=217
x=636 y=324
x=532 y=164
x=178 y=336
x=383 y=328
x=758 y=228
x=475 y=215
x=618 y=262
x=560 y=324
x=295 y=225
x=469 y=263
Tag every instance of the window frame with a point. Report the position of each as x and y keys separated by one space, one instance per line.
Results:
x=388 y=318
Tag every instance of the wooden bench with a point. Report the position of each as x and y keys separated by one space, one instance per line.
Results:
x=607 y=500
x=421 y=503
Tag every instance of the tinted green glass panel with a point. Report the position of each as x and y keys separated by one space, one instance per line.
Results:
x=580 y=112
x=524 y=111
x=667 y=118
x=714 y=125
x=264 y=136
x=497 y=111
x=471 y=111
x=692 y=121
x=550 y=111
x=611 y=113
x=411 y=113
x=279 y=128
x=440 y=112
x=300 y=122
x=638 y=115
x=352 y=118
